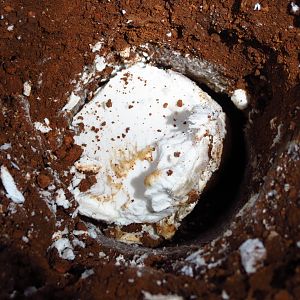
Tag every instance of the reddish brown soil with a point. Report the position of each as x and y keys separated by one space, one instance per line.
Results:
x=49 y=46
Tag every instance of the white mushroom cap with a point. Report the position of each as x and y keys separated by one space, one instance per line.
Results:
x=150 y=136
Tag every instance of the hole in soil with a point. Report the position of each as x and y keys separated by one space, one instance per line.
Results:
x=229 y=37
x=217 y=203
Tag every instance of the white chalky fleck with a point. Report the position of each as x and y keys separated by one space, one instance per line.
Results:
x=252 y=254
x=286 y=187
x=100 y=63
x=12 y=192
x=77 y=97
x=30 y=291
x=26 y=88
x=59 y=234
x=213 y=265
x=149 y=229
x=61 y=199
x=295 y=9
x=15 y=165
x=240 y=99
x=64 y=248
x=257 y=6
x=47 y=122
x=272 y=194
x=42 y=127
x=12 y=208
x=97 y=47
x=10 y=27
x=298 y=244
x=76 y=242
x=5 y=146
x=187 y=270
x=120 y=260
x=25 y=239
x=102 y=254
x=138 y=261
x=92 y=233
x=225 y=296
x=196 y=258
x=72 y=102
x=144 y=150
x=79 y=232
x=148 y=296
x=278 y=136
x=87 y=273
x=125 y=53
x=294 y=150
x=228 y=233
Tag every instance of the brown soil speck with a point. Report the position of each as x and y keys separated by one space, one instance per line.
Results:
x=73 y=154
x=87 y=183
x=43 y=180
x=169 y=172
x=81 y=226
x=61 y=266
x=68 y=140
x=193 y=196
x=8 y=8
x=109 y=103
x=31 y=14
x=179 y=103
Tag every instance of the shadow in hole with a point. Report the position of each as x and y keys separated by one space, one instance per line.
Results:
x=26 y=276
x=220 y=199
x=18 y=272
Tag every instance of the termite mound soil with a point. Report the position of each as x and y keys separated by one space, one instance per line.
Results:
x=48 y=46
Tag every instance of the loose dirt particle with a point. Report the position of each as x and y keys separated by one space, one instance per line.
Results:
x=176 y=154
x=109 y=103
x=43 y=181
x=179 y=103
x=169 y=172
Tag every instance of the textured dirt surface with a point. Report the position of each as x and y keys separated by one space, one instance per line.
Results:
x=47 y=44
